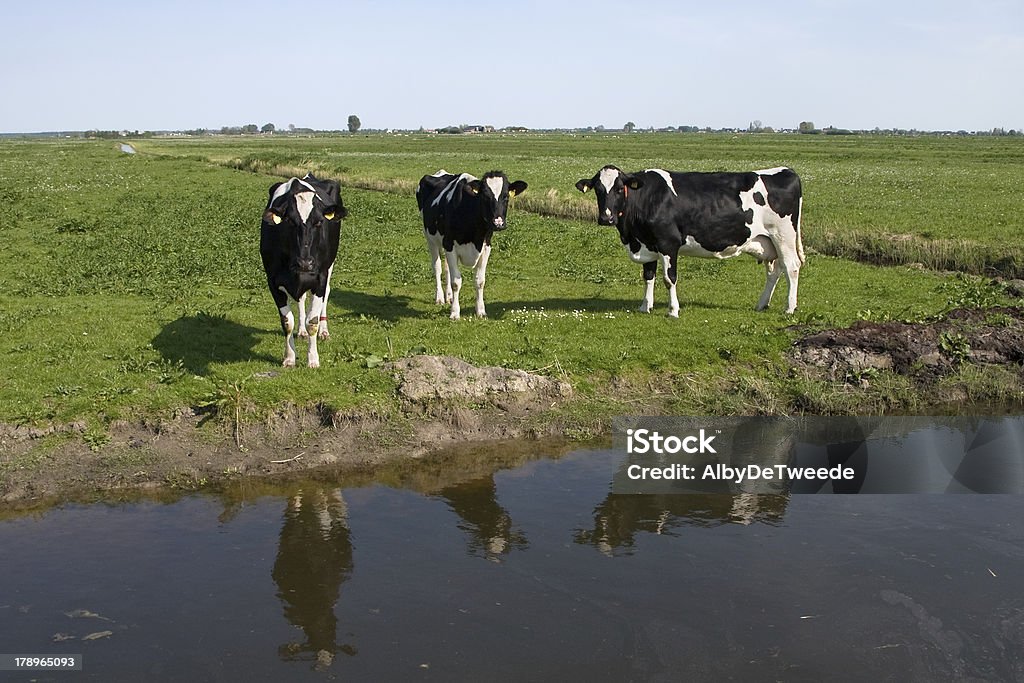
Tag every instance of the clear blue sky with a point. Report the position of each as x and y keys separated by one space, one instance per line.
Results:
x=846 y=63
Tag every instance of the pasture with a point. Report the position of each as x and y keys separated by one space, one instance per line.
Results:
x=133 y=287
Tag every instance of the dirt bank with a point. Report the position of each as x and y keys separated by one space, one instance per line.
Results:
x=443 y=401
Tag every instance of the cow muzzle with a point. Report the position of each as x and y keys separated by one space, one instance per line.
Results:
x=306 y=265
x=605 y=219
x=499 y=223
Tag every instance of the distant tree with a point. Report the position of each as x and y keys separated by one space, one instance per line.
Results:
x=250 y=128
x=628 y=128
x=600 y=129
x=755 y=127
x=806 y=126
x=268 y=128
x=353 y=123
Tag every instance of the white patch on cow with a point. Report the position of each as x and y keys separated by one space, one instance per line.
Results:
x=449 y=190
x=666 y=177
x=692 y=247
x=644 y=255
x=496 y=185
x=772 y=171
x=441 y=173
x=286 y=187
x=304 y=204
x=607 y=178
x=468 y=254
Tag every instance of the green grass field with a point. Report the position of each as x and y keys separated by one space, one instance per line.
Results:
x=133 y=286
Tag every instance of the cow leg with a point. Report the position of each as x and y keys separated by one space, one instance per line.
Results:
x=287 y=322
x=302 y=317
x=288 y=325
x=455 y=276
x=771 y=273
x=434 y=247
x=447 y=284
x=311 y=323
x=789 y=262
x=793 y=280
x=481 y=279
x=668 y=271
x=650 y=270
x=322 y=329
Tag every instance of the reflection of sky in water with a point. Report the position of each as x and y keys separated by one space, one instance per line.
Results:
x=538 y=570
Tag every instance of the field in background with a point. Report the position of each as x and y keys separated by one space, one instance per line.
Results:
x=950 y=203
x=133 y=286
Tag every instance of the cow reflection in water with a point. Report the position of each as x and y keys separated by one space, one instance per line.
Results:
x=314 y=557
x=490 y=529
x=620 y=516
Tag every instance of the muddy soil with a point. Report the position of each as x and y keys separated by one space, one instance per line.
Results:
x=925 y=350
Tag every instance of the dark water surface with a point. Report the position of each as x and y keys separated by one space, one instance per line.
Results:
x=530 y=573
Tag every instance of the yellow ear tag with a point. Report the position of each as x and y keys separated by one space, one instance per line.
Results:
x=329 y=216
x=276 y=219
x=511 y=193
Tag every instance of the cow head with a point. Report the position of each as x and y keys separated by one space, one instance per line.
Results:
x=305 y=211
x=612 y=188
x=494 y=191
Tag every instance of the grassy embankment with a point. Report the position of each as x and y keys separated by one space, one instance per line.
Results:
x=133 y=285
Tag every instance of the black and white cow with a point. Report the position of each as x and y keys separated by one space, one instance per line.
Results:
x=662 y=214
x=460 y=215
x=298 y=243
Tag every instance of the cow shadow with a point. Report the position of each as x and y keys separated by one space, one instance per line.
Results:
x=499 y=309
x=360 y=304
x=197 y=341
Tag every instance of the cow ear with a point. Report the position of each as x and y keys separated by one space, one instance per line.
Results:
x=584 y=184
x=633 y=181
x=472 y=187
x=341 y=211
x=273 y=189
x=518 y=187
x=331 y=191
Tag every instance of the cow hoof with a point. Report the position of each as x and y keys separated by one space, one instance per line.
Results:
x=288 y=363
x=673 y=314
x=643 y=309
x=454 y=316
x=440 y=301
x=303 y=334
x=314 y=364
x=324 y=334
